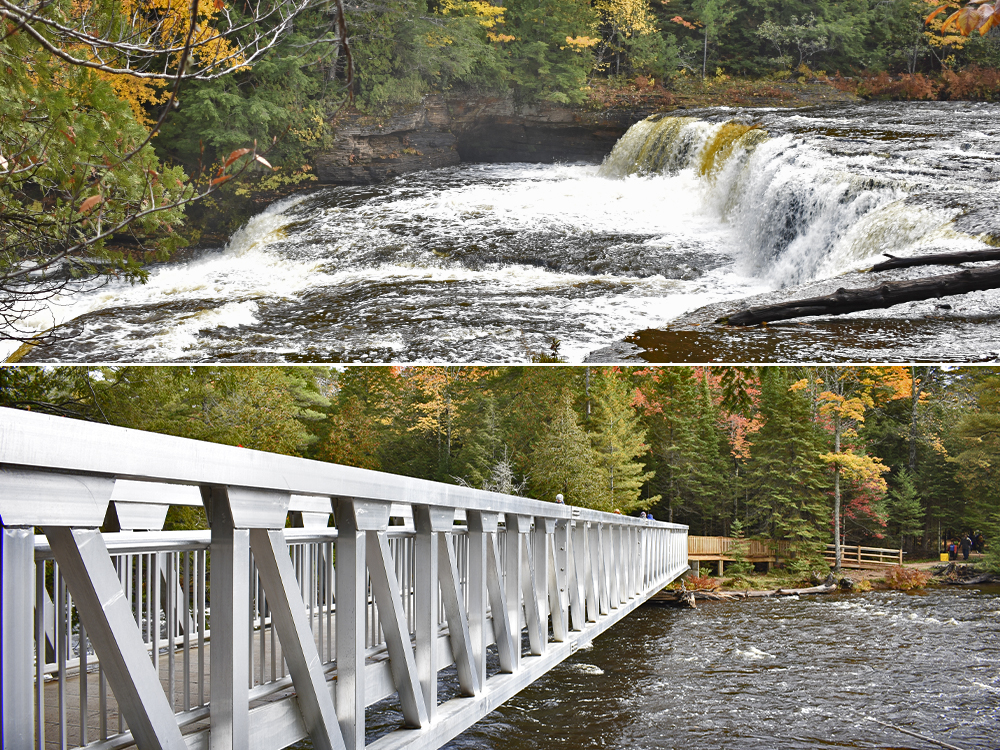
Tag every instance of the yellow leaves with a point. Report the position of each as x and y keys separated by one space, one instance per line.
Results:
x=436 y=39
x=488 y=15
x=865 y=470
x=500 y=38
x=629 y=17
x=580 y=43
x=967 y=19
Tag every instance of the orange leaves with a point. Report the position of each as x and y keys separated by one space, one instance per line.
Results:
x=222 y=177
x=970 y=18
x=87 y=206
x=235 y=155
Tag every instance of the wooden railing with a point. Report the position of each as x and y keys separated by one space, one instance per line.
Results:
x=721 y=548
x=864 y=558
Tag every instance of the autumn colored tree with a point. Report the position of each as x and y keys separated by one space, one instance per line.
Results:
x=77 y=167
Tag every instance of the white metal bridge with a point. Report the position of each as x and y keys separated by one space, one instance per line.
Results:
x=444 y=599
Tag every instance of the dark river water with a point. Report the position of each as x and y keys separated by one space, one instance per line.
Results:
x=790 y=673
x=496 y=263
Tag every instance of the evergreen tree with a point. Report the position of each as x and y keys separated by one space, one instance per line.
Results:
x=905 y=513
x=563 y=461
x=788 y=476
x=618 y=438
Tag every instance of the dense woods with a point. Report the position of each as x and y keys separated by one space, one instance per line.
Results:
x=891 y=455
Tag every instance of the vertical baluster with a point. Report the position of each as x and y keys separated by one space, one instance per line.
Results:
x=202 y=622
x=187 y=630
x=262 y=618
x=61 y=640
x=82 y=641
x=153 y=607
x=329 y=602
x=253 y=585
x=319 y=587
x=40 y=654
x=171 y=583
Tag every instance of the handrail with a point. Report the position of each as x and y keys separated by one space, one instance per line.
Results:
x=41 y=441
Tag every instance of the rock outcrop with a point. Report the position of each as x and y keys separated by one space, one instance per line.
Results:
x=439 y=132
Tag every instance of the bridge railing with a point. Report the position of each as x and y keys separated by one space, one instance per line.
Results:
x=255 y=635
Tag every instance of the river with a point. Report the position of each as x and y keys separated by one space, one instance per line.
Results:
x=759 y=675
x=502 y=262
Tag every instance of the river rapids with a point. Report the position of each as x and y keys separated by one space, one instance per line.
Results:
x=507 y=262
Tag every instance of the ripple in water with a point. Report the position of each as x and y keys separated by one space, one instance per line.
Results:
x=759 y=674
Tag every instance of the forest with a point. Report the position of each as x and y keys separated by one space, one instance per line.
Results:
x=899 y=456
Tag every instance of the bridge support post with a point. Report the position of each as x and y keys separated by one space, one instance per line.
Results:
x=578 y=576
x=478 y=539
x=352 y=597
x=230 y=576
x=512 y=587
x=544 y=529
x=558 y=594
x=430 y=522
x=17 y=568
x=592 y=552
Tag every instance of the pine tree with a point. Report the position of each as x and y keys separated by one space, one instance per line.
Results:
x=563 y=461
x=618 y=438
x=789 y=478
x=905 y=512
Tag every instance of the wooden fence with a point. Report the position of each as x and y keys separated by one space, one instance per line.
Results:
x=864 y=558
x=720 y=549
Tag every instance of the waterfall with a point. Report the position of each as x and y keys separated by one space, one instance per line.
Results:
x=798 y=213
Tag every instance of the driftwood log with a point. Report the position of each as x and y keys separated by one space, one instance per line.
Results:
x=962 y=574
x=937 y=259
x=884 y=295
x=683 y=596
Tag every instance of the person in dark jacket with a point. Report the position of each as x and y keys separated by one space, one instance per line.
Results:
x=966 y=547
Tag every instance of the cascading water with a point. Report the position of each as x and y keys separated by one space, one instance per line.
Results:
x=502 y=263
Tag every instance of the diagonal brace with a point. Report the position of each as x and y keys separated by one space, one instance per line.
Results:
x=288 y=614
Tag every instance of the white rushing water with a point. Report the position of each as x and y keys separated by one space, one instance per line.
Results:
x=499 y=263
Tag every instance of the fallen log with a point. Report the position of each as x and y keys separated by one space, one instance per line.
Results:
x=690 y=597
x=937 y=259
x=884 y=295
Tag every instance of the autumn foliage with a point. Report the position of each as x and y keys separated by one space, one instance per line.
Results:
x=906 y=579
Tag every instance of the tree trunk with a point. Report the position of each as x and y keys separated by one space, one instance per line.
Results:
x=937 y=259
x=915 y=391
x=885 y=295
x=704 y=57
x=838 y=552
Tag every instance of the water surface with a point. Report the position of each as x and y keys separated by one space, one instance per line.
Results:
x=498 y=263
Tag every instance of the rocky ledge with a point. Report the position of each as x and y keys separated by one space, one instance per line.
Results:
x=441 y=132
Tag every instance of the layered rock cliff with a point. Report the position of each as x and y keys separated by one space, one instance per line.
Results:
x=441 y=132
